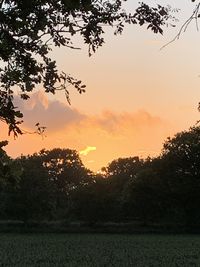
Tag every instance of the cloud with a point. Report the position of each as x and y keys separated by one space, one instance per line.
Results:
x=115 y=134
x=87 y=150
x=52 y=114
x=118 y=123
x=57 y=116
x=32 y=102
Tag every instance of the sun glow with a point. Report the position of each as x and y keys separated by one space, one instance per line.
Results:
x=87 y=150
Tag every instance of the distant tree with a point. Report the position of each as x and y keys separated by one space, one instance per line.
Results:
x=47 y=179
x=30 y=29
x=124 y=167
x=93 y=202
x=183 y=152
x=181 y=161
x=64 y=167
x=145 y=196
x=120 y=171
x=166 y=188
x=4 y=159
x=66 y=172
x=34 y=198
x=10 y=172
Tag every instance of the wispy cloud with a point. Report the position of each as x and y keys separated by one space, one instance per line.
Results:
x=118 y=123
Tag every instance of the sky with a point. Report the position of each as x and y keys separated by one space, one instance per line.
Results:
x=137 y=95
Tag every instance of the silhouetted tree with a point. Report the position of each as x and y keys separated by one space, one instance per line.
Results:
x=34 y=199
x=10 y=172
x=181 y=160
x=145 y=196
x=66 y=172
x=46 y=182
x=167 y=187
x=120 y=171
x=28 y=29
x=183 y=152
x=93 y=202
x=54 y=184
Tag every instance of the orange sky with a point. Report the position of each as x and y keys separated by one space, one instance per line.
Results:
x=136 y=97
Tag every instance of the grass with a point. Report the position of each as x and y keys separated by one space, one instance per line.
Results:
x=99 y=250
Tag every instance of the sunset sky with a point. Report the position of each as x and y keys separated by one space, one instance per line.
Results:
x=137 y=95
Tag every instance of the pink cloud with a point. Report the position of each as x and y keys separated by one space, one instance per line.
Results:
x=52 y=114
x=114 y=134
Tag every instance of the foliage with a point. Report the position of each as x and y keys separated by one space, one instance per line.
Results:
x=66 y=172
x=144 y=197
x=10 y=172
x=181 y=160
x=30 y=29
x=121 y=171
x=47 y=180
x=94 y=202
x=124 y=167
x=183 y=152
x=55 y=185
x=34 y=197
x=65 y=167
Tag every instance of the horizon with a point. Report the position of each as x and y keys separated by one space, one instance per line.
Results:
x=136 y=96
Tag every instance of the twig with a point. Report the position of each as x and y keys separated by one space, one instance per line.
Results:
x=194 y=16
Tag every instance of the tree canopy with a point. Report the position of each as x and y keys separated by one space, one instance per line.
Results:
x=55 y=185
x=30 y=29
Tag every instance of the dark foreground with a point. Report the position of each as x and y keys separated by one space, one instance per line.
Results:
x=99 y=250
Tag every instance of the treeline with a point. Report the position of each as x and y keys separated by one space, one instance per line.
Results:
x=55 y=185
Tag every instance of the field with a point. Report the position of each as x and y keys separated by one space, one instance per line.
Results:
x=99 y=250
